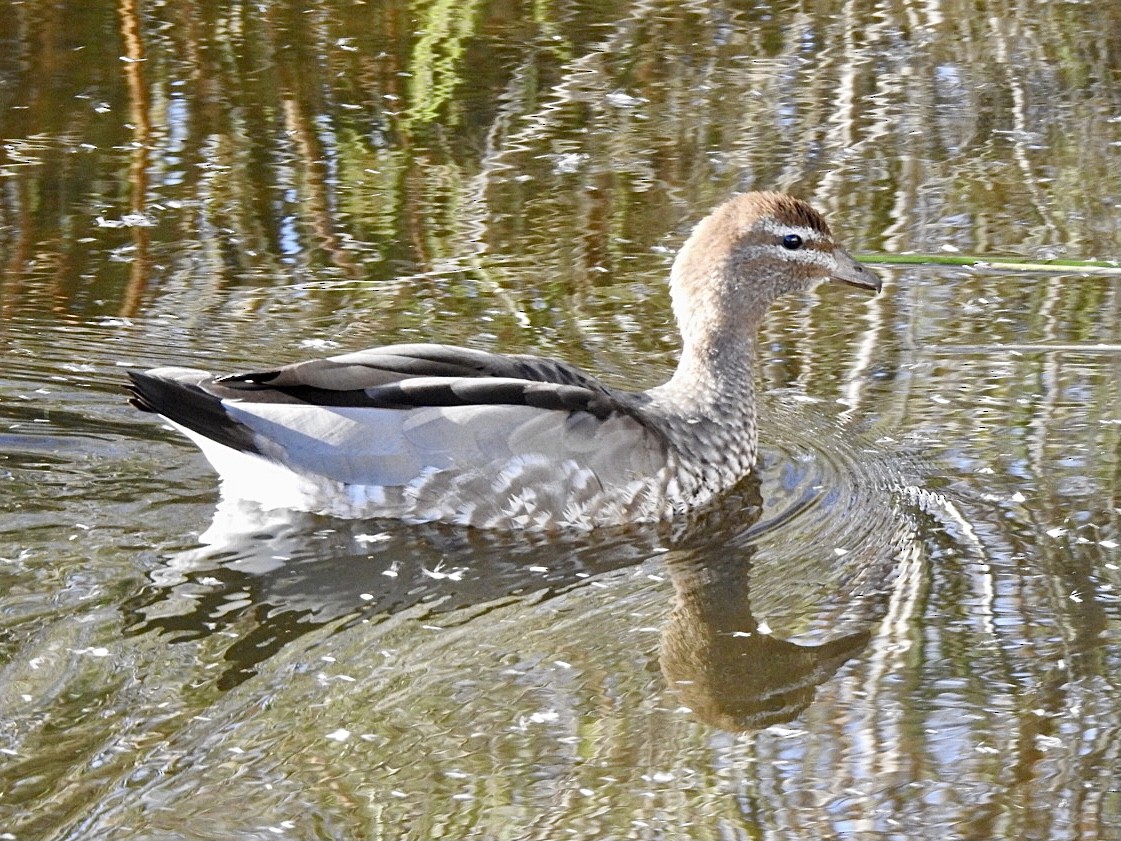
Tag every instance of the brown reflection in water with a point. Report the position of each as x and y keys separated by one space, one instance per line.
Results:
x=139 y=114
x=380 y=140
x=726 y=667
x=723 y=661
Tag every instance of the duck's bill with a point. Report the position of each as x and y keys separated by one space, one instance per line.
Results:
x=850 y=272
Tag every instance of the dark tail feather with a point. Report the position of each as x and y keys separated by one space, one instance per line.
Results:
x=136 y=396
x=191 y=406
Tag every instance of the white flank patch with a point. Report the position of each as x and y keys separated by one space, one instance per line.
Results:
x=780 y=229
x=251 y=477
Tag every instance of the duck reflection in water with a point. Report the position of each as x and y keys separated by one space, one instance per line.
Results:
x=719 y=656
x=715 y=653
x=724 y=664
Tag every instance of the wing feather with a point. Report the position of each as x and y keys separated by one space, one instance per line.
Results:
x=389 y=447
x=382 y=366
x=390 y=416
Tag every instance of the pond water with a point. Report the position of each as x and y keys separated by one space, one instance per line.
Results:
x=908 y=625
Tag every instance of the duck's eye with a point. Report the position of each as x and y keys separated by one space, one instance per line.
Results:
x=792 y=242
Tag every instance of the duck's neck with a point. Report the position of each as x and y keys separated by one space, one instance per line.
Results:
x=718 y=321
x=715 y=377
x=707 y=410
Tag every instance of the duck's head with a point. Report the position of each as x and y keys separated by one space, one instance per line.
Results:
x=750 y=250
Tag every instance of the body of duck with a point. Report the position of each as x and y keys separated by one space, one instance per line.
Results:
x=428 y=432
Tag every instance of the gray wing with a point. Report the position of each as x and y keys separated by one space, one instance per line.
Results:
x=393 y=447
x=420 y=374
x=389 y=415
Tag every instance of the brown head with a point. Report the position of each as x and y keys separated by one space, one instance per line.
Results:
x=747 y=252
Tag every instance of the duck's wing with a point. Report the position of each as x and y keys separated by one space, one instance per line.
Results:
x=384 y=417
x=365 y=369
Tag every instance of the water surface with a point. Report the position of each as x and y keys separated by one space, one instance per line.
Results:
x=906 y=627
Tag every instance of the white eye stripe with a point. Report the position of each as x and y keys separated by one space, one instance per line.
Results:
x=778 y=229
x=810 y=256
